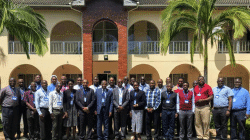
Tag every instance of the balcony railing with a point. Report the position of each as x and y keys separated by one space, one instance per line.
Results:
x=143 y=47
x=15 y=47
x=238 y=47
x=105 y=47
x=66 y=47
x=181 y=47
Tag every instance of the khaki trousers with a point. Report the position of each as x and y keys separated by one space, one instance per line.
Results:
x=202 y=121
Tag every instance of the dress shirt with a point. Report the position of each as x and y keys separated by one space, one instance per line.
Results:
x=40 y=101
x=29 y=97
x=178 y=101
x=221 y=96
x=111 y=88
x=55 y=100
x=6 y=96
x=120 y=95
x=241 y=99
x=144 y=87
x=95 y=87
x=153 y=98
x=51 y=87
x=161 y=89
x=128 y=87
x=38 y=86
x=77 y=87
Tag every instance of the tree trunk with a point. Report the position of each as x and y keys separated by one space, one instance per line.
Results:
x=205 y=61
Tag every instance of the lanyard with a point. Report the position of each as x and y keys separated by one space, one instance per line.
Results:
x=85 y=92
x=135 y=94
x=22 y=92
x=71 y=95
x=200 y=89
x=168 y=95
x=186 y=95
x=45 y=93
x=235 y=94
x=59 y=97
x=220 y=90
x=13 y=91
x=103 y=93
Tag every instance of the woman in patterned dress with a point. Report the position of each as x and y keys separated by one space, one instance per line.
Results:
x=69 y=106
x=137 y=104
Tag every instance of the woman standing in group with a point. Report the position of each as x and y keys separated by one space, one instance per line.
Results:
x=137 y=104
x=69 y=97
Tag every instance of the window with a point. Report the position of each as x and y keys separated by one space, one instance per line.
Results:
x=73 y=76
x=229 y=81
x=105 y=31
x=28 y=78
x=175 y=78
x=137 y=77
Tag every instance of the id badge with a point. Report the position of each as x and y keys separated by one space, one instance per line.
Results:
x=186 y=101
x=199 y=94
x=46 y=98
x=71 y=102
x=14 y=98
x=217 y=96
x=59 y=103
x=103 y=100
x=134 y=102
x=33 y=102
x=85 y=100
x=167 y=101
x=234 y=100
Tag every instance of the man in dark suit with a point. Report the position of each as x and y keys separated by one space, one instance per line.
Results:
x=104 y=98
x=85 y=99
x=120 y=100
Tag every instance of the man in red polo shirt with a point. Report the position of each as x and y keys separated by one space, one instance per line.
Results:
x=203 y=95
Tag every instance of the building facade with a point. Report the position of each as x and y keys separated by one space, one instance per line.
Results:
x=118 y=38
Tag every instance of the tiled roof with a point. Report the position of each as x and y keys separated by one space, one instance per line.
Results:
x=164 y=2
x=48 y=2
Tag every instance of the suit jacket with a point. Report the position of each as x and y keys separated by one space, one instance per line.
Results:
x=67 y=99
x=125 y=98
x=90 y=99
x=108 y=101
x=140 y=100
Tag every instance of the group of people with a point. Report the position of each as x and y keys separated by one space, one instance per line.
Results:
x=51 y=111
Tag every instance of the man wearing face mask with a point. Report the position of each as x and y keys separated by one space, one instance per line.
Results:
x=10 y=99
x=240 y=110
x=222 y=104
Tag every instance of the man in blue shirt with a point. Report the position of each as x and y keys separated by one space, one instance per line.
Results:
x=240 y=110
x=52 y=86
x=42 y=106
x=37 y=79
x=222 y=103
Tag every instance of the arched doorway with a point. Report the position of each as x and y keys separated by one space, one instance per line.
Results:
x=66 y=38
x=70 y=71
x=145 y=70
x=229 y=73
x=188 y=72
x=26 y=72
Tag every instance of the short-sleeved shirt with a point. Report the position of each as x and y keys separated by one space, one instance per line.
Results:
x=221 y=96
x=241 y=99
x=202 y=93
x=29 y=97
x=7 y=94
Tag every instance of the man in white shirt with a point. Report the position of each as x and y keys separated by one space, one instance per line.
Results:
x=56 y=111
x=79 y=84
x=96 y=85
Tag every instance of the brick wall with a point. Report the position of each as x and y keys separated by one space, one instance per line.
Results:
x=95 y=11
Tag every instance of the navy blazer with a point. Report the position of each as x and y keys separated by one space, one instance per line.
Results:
x=108 y=101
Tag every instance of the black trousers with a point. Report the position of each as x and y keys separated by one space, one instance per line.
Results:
x=45 y=125
x=86 y=120
x=220 y=122
x=111 y=124
x=155 y=118
x=10 y=121
x=23 y=111
x=238 y=117
x=120 y=119
x=33 y=124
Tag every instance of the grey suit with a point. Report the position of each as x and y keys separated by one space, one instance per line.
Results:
x=120 y=117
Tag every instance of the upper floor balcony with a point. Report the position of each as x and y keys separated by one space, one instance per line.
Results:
x=238 y=47
x=15 y=47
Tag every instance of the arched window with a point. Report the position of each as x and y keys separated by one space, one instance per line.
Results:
x=105 y=37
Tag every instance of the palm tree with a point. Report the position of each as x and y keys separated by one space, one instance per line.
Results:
x=201 y=17
x=25 y=24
